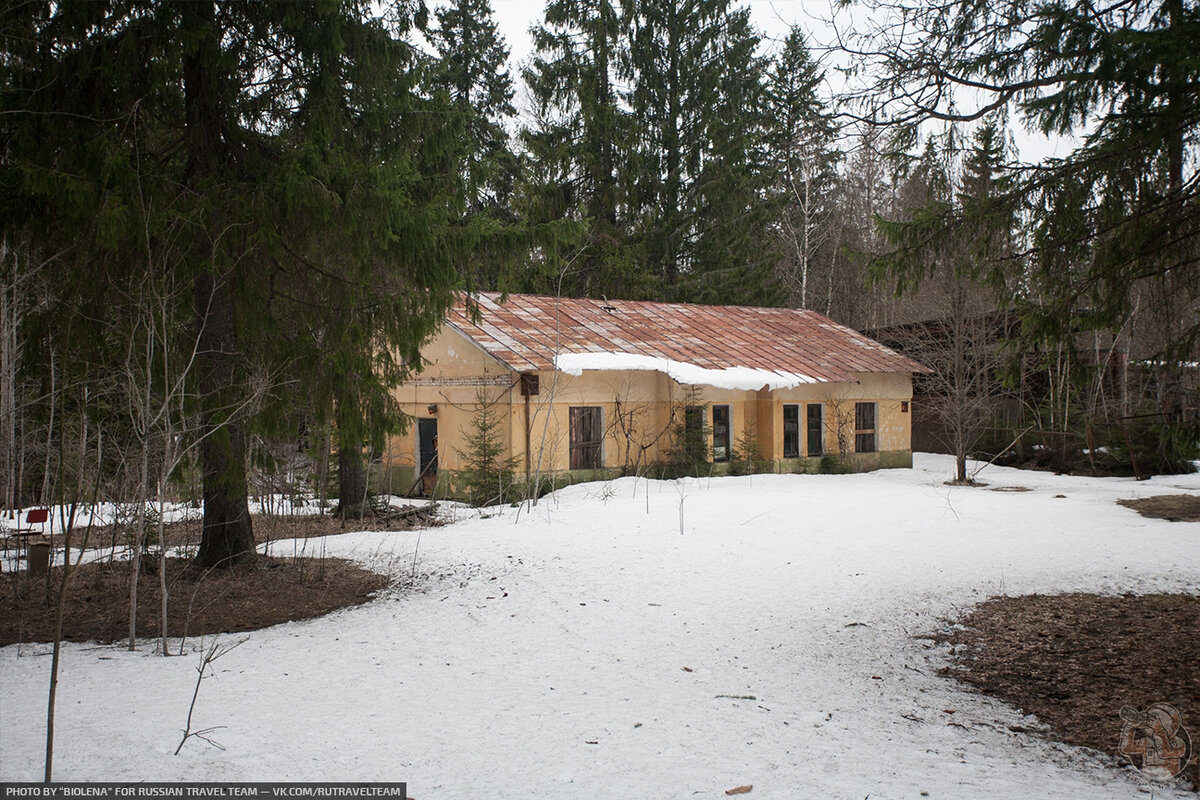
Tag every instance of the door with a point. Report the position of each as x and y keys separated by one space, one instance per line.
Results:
x=586 y=437
x=427 y=445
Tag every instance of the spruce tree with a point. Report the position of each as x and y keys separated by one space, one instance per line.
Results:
x=804 y=157
x=286 y=158
x=702 y=189
x=382 y=259
x=487 y=474
x=578 y=149
x=949 y=309
x=1116 y=222
x=471 y=68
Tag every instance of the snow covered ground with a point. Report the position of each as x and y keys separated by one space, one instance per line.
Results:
x=12 y=558
x=108 y=513
x=590 y=648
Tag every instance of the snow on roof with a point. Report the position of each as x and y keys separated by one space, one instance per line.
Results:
x=728 y=378
x=735 y=347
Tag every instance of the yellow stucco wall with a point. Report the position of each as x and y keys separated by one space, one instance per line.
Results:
x=888 y=391
x=636 y=411
x=456 y=375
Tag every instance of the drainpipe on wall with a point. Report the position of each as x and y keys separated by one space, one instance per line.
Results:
x=528 y=442
x=529 y=387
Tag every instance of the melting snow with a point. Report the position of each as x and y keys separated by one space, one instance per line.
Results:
x=745 y=378
x=641 y=639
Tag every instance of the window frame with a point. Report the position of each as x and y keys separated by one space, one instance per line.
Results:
x=810 y=430
x=794 y=433
x=721 y=454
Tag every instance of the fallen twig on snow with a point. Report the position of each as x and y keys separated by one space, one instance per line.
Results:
x=214 y=652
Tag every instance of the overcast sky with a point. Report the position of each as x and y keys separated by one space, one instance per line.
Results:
x=772 y=18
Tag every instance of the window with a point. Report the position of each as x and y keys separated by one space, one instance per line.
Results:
x=586 y=437
x=791 y=431
x=720 y=433
x=816 y=430
x=864 y=427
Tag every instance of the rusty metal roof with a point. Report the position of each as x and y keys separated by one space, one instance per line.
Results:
x=526 y=332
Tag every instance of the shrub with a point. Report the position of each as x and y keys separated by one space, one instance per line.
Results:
x=747 y=457
x=1159 y=447
x=832 y=465
x=689 y=454
x=487 y=477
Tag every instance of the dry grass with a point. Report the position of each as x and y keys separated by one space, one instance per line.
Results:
x=1074 y=660
x=268 y=592
x=200 y=602
x=1173 y=507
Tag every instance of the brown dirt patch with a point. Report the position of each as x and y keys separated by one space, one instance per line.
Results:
x=1075 y=660
x=1173 y=507
x=267 y=592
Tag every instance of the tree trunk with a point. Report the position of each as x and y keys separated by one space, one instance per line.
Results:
x=352 y=483
x=227 y=537
x=10 y=324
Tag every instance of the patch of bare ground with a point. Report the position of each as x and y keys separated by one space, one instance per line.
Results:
x=1076 y=660
x=1173 y=507
x=200 y=602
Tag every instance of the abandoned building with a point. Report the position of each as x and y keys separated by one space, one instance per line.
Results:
x=597 y=387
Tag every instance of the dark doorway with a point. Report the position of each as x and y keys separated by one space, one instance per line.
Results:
x=427 y=447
